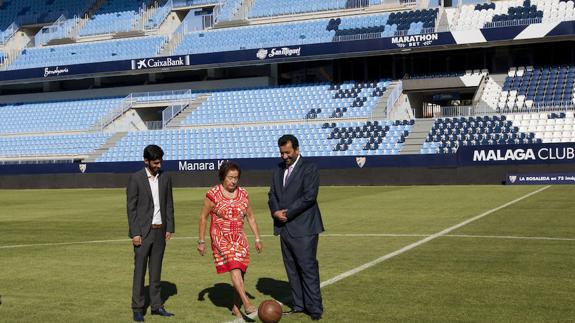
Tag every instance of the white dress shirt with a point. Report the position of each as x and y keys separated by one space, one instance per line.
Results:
x=157 y=218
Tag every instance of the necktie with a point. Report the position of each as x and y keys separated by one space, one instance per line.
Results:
x=288 y=175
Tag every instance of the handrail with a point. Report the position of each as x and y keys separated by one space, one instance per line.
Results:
x=171 y=112
x=8 y=33
x=129 y=101
x=124 y=106
x=397 y=33
x=507 y=23
x=162 y=11
x=187 y=3
x=394 y=96
x=484 y=109
x=516 y=22
x=55 y=30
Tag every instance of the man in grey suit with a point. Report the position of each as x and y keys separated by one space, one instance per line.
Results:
x=297 y=219
x=151 y=223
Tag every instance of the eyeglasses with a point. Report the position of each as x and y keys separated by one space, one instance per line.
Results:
x=231 y=178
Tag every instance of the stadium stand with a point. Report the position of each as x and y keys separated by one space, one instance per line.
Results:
x=57 y=146
x=58 y=116
x=271 y=35
x=308 y=32
x=448 y=134
x=24 y=12
x=527 y=87
x=267 y=8
x=386 y=25
x=517 y=12
x=114 y=16
x=288 y=103
x=97 y=51
x=371 y=138
x=491 y=94
x=529 y=105
x=548 y=127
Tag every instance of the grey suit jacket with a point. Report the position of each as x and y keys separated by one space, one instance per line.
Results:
x=140 y=203
x=299 y=197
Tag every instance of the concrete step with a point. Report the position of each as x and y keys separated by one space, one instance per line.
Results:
x=111 y=142
x=380 y=109
x=414 y=141
x=177 y=120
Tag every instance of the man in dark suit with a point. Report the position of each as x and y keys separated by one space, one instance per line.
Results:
x=297 y=219
x=151 y=223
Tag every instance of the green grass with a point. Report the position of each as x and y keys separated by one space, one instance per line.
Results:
x=475 y=274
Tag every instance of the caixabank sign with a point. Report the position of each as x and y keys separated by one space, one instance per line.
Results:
x=550 y=153
x=160 y=62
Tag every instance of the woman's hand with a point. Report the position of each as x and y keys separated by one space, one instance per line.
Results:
x=259 y=246
x=201 y=248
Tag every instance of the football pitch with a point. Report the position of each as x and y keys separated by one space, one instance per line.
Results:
x=389 y=254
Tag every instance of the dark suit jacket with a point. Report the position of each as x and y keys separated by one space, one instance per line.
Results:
x=299 y=197
x=141 y=204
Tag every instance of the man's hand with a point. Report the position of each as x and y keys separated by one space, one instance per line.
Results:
x=168 y=235
x=137 y=241
x=281 y=215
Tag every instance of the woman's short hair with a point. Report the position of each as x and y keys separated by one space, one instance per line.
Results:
x=226 y=167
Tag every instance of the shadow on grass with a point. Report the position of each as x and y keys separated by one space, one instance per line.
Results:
x=221 y=295
x=276 y=289
x=168 y=290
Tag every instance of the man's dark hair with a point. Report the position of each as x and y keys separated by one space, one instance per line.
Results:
x=288 y=138
x=153 y=152
x=226 y=167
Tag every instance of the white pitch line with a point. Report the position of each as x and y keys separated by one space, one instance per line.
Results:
x=188 y=238
x=424 y=240
x=360 y=235
x=508 y=237
x=60 y=243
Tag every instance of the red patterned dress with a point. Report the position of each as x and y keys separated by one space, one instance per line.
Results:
x=229 y=242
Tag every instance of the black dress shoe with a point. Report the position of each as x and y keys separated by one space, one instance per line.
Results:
x=161 y=312
x=315 y=317
x=138 y=317
x=292 y=312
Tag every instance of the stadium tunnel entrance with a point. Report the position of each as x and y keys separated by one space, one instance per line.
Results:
x=448 y=95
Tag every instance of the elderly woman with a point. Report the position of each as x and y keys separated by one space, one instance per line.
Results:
x=228 y=205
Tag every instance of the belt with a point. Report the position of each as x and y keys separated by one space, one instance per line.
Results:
x=156 y=226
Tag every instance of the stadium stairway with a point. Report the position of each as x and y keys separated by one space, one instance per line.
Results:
x=239 y=18
x=419 y=132
x=75 y=31
x=380 y=109
x=498 y=78
x=111 y=142
x=177 y=120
